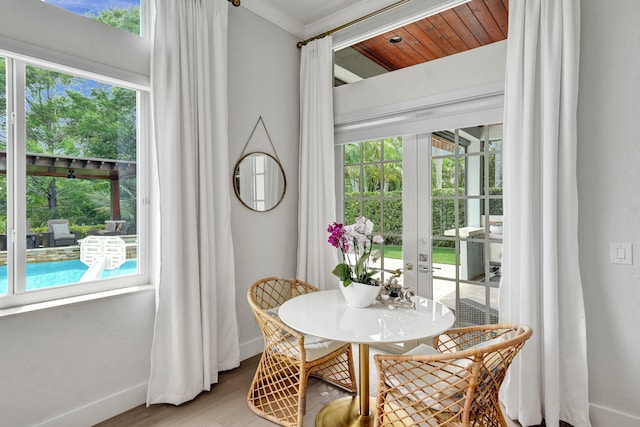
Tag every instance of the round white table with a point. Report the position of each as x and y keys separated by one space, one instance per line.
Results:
x=325 y=314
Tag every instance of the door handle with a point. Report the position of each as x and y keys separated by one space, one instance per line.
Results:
x=408 y=266
x=426 y=269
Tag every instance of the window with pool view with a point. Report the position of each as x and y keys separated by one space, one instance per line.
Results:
x=70 y=165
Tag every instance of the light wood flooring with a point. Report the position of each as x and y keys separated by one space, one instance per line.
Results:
x=226 y=405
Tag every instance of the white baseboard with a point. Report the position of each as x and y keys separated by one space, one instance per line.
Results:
x=113 y=405
x=101 y=410
x=251 y=348
x=606 y=417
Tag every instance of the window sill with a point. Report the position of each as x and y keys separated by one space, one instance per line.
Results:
x=45 y=305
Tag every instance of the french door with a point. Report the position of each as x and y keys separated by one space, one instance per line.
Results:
x=453 y=219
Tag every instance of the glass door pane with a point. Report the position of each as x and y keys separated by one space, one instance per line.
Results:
x=466 y=205
x=437 y=200
x=79 y=175
x=372 y=183
x=373 y=187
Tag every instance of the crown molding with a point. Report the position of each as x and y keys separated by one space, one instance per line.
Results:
x=275 y=16
x=302 y=31
x=393 y=18
x=347 y=14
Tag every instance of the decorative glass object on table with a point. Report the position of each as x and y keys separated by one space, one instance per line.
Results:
x=395 y=295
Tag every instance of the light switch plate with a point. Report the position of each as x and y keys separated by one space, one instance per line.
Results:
x=621 y=253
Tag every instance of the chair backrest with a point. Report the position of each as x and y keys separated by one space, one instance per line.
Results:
x=110 y=225
x=272 y=292
x=58 y=226
x=119 y=226
x=265 y=297
x=459 y=383
x=124 y=226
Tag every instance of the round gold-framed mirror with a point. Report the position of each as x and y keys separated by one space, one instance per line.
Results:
x=259 y=181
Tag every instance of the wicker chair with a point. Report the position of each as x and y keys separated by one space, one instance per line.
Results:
x=453 y=383
x=278 y=389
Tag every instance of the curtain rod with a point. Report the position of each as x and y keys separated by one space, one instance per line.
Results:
x=236 y=3
x=349 y=24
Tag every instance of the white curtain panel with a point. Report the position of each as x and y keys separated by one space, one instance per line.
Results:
x=541 y=284
x=247 y=182
x=195 y=333
x=273 y=182
x=317 y=198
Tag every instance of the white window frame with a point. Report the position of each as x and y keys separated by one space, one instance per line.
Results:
x=16 y=296
x=124 y=59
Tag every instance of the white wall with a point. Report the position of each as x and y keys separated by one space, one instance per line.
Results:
x=47 y=32
x=457 y=90
x=609 y=200
x=77 y=364
x=263 y=81
x=432 y=82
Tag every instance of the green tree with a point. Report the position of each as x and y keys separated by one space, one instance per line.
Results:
x=125 y=19
x=78 y=117
x=372 y=153
x=352 y=173
x=81 y=118
x=393 y=164
x=104 y=122
x=101 y=202
x=46 y=107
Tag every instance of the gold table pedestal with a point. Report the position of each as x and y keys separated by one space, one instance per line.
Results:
x=348 y=411
x=345 y=412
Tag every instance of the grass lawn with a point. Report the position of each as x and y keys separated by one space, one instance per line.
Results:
x=440 y=255
x=444 y=256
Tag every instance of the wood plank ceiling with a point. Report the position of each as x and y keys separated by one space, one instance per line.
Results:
x=470 y=25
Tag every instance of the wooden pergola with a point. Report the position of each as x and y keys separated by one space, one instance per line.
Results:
x=39 y=164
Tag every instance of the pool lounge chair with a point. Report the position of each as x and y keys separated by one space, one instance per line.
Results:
x=58 y=234
x=112 y=228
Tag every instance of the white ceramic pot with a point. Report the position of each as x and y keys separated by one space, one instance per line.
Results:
x=359 y=295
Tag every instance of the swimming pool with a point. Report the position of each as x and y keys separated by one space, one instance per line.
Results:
x=47 y=274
